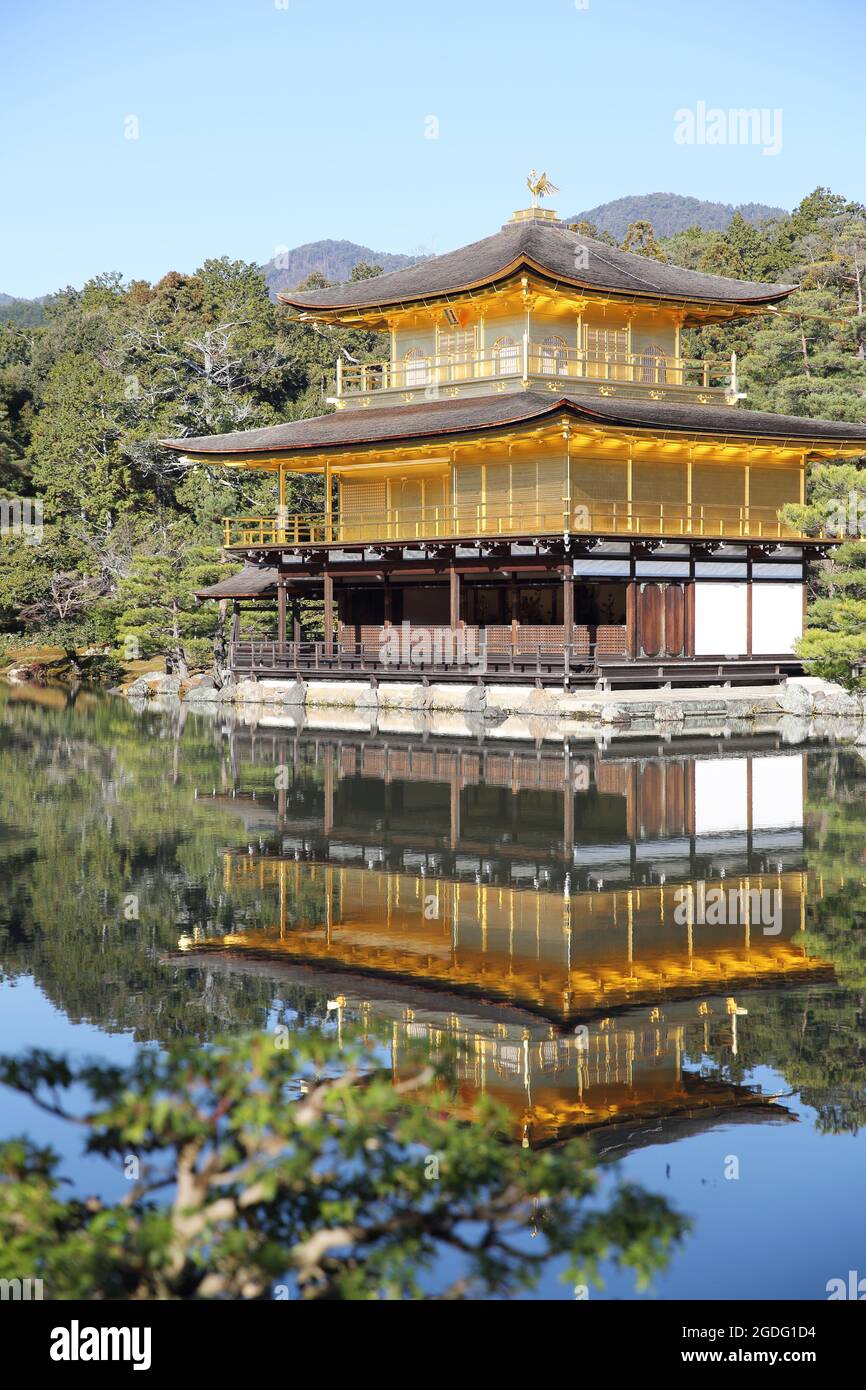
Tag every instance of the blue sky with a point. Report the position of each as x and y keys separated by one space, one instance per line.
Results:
x=269 y=123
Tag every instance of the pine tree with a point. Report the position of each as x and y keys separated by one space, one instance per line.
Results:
x=159 y=612
x=640 y=239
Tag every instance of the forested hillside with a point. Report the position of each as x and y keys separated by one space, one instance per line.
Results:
x=334 y=259
x=130 y=531
x=671 y=213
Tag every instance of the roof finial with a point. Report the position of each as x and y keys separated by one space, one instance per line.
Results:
x=540 y=186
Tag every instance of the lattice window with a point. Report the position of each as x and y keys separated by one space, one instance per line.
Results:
x=416 y=367
x=718 y=484
x=457 y=347
x=653 y=365
x=525 y=493
x=554 y=356
x=506 y=356
x=603 y=342
x=773 y=487
x=362 y=505
x=659 y=482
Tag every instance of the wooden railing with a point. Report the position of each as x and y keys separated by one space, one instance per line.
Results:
x=464 y=521
x=530 y=359
x=478 y=655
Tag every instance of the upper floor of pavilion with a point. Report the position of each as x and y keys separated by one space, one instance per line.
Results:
x=538 y=305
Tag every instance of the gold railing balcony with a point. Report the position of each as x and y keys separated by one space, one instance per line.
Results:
x=466 y=521
x=531 y=360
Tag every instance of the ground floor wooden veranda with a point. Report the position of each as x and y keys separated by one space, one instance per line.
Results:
x=542 y=612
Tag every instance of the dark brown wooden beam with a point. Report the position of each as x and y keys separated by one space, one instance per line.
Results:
x=328 y=622
x=631 y=593
x=281 y=612
x=568 y=601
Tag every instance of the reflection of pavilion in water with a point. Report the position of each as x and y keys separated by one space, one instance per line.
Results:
x=492 y=897
x=622 y=1078
x=564 y=955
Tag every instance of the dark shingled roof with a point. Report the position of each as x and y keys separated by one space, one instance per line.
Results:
x=437 y=419
x=548 y=247
x=254 y=581
x=250 y=582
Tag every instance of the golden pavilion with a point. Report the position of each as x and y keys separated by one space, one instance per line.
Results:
x=537 y=469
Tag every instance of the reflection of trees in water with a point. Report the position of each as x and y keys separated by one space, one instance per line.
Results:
x=823 y=1032
x=816 y=1036
x=99 y=811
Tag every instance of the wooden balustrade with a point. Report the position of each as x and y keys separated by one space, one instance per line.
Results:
x=427 y=650
x=465 y=521
x=518 y=359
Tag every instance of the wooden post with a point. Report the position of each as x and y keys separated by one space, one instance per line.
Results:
x=631 y=596
x=281 y=613
x=690 y=619
x=454 y=596
x=568 y=603
x=328 y=627
x=296 y=621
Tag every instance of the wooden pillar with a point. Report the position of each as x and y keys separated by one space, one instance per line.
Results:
x=454 y=596
x=690 y=619
x=328 y=618
x=236 y=620
x=631 y=637
x=387 y=599
x=568 y=602
x=296 y=620
x=281 y=612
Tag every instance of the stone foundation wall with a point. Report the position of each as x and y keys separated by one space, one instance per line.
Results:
x=802 y=697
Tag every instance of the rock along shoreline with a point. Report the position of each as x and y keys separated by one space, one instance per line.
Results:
x=803 y=698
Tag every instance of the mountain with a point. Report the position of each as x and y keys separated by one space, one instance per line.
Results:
x=24 y=312
x=334 y=259
x=670 y=213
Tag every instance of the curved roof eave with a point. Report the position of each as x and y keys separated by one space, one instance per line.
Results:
x=416 y=426
x=514 y=267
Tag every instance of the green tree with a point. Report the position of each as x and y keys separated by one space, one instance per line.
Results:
x=641 y=239
x=834 y=640
x=354 y=1190
x=365 y=271
x=158 y=608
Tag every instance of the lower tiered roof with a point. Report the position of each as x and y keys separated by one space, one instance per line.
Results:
x=437 y=420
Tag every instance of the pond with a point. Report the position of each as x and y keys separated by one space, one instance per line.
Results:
x=656 y=943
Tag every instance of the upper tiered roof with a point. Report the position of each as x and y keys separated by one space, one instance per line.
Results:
x=534 y=243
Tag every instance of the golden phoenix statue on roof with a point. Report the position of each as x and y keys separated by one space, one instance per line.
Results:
x=539 y=186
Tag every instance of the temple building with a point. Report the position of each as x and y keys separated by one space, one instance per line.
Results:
x=537 y=470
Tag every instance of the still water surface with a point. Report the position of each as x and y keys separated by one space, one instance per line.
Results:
x=659 y=944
